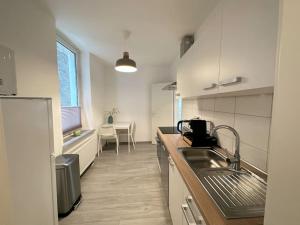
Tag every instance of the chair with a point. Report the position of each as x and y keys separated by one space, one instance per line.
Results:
x=131 y=133
x=107 y=132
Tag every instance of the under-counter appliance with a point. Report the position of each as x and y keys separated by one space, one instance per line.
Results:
x=195 y=132
x=27 y=161
x=163 y=162
x=68 y=183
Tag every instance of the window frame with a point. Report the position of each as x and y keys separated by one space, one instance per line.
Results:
x=69 y=45
x=63 y=40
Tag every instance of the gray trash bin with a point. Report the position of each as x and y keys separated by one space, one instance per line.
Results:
x=68 y=183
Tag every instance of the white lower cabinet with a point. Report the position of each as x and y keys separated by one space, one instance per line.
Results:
x=182 y=207
x=191 y=212
x=175 y=193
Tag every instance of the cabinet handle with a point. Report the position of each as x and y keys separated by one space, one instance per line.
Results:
x=212 y=86
x=185 y=208
x=194 y=210
x=228 y=82
x=189 y=198
x=171 y=161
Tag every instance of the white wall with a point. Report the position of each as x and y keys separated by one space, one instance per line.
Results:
x=131 y=94
x=97 y=71
x=92 y=90
x=30 y=32
x=249 y=115
x=85 y=91
x=283 y=195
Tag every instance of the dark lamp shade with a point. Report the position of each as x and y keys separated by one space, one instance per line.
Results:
x=125 y=64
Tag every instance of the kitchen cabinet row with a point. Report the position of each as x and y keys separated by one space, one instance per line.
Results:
x=182 y=207
x=235 y=50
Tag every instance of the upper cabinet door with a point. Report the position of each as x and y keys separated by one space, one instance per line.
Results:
x=184 y=74
x=198 y=70
x=249 y=40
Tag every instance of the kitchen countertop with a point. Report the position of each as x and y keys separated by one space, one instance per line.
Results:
x=208 y=208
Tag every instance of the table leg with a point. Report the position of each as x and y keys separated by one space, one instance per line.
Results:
x=128 y=140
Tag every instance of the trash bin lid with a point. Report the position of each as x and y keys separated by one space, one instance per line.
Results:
x=66 y=159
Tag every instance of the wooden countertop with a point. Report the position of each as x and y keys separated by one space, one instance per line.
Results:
x=208 y=208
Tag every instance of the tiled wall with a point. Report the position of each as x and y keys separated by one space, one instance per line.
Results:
x=249 y=115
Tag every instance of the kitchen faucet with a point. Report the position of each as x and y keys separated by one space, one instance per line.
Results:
x=235 y=161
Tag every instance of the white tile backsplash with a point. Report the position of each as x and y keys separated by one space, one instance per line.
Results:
x=256 y=105
x=254 y=156
x=249 y=115
x=253 y=130
x=189 y=109
x=226 y=105
x=207 y=115
x=226 y=142
x=207 y=104
x=224 y=119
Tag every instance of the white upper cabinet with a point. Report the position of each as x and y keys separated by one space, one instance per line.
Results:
x=198 y=70
x=238 y=39
x=249 y=40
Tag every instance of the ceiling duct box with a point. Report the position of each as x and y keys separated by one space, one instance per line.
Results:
x=186 y=42
x=8 y=82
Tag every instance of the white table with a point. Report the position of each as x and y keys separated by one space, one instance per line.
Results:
x=124 y=126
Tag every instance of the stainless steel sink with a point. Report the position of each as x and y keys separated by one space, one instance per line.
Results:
x=238 y=194
x=200 y=158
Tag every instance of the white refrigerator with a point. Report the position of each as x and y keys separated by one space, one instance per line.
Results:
x=27 y=162
x=165 y=106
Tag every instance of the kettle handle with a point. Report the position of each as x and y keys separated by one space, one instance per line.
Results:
x=179 y=125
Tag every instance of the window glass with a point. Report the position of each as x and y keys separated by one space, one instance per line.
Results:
x=67 y=72
x=66 y=61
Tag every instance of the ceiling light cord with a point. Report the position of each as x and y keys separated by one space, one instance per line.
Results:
x=126 y=36
x=125 y=64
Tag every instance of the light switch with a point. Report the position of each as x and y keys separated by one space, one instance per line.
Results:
x=8 y=83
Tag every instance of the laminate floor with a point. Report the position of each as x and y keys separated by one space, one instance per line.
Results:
x=122 y=190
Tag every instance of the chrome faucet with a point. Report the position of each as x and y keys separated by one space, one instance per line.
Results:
x=235 y=161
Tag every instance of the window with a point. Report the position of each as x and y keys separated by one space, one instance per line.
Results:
x=67 y=72
x=71 y=119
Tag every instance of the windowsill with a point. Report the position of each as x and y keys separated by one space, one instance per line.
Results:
x=72 y=141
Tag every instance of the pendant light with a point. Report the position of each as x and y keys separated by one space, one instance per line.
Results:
x=125 y=64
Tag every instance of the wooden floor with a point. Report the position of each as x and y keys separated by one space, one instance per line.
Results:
x=122 y=190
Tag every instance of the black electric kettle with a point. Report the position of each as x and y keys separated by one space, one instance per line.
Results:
x=196 y=133
x=197 y=127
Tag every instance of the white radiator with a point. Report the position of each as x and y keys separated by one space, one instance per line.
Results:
x=86 y=149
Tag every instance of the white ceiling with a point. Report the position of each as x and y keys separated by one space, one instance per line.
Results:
x=156 y=26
